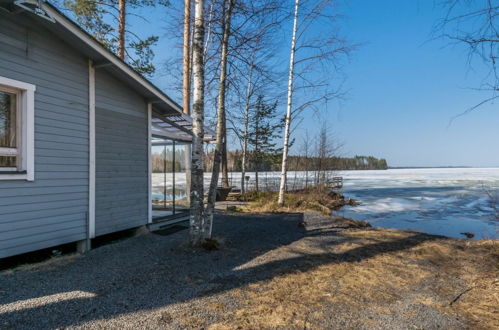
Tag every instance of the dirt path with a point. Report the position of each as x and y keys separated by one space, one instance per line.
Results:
x=272 y=271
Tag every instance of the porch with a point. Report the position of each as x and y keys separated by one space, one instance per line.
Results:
x=170 y=159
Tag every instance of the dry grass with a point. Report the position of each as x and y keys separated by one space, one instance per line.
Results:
x=295 y=201
x=370 y=271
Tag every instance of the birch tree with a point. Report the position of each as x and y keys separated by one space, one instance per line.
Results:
x=196 y=221
x=186 y=88
x=316 y=50
x=287 y=122
x=221 y=126
x=186 y=84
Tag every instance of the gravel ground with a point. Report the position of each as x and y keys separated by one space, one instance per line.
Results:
x=156 y=281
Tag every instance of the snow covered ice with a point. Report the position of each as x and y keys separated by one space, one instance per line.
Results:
x=443 y=201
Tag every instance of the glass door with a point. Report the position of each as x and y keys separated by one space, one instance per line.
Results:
x=162 y=177
x=182 y=174
x=170 y=164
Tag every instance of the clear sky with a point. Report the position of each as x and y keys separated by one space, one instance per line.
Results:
x=403 y=88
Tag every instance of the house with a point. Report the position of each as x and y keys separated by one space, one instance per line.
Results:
x=77 y=130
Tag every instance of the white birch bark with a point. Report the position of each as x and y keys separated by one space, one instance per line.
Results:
x=208 y=221
x=287 y=124
x=196 y=222
x=186 y=59
x=187 y=86
x=208 y=34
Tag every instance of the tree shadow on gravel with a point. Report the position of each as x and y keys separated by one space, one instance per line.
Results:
x=153 y=271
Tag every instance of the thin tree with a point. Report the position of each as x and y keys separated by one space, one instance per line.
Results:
x=107 y=21
x=186 y=84
x=256 y=35
x=311 y=71
x=249 y=92
x=186 y=88
x=251 y=19
x=121 y=28
x=197 y=227
x=306 y=153
x=221 y=126
x=264 y=129
x=287 y=123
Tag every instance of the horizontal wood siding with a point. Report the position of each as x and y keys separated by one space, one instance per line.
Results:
x=52 y=210
x=121 y=156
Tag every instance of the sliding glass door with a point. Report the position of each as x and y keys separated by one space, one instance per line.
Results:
x=169 y=178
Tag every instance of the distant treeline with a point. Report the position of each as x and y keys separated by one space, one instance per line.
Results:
x=300 y=163
x=272 y=162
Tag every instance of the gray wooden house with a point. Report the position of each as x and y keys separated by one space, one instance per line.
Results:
x=78 y=132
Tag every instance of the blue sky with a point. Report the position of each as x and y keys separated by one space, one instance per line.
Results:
x=403 y=88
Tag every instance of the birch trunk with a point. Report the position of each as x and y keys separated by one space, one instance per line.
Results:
x=187 y=61
x=121 y=28
x=246 y=122
x=208 y=33
x=287 y=125
x=208 y=221
x=186 y=90
x=196 y=220
x=225 y=169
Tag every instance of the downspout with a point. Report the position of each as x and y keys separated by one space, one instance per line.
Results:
x=91 y=156
x=149 y=164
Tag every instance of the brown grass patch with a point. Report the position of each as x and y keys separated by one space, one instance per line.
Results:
x=296 y=201
x=377 y=270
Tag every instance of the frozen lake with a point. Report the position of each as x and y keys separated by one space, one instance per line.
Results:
x=436 y=201
x=443 y=201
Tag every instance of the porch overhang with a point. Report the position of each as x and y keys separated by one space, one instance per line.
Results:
x=176 y=127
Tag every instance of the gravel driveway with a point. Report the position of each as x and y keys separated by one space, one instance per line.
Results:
x=156 y=281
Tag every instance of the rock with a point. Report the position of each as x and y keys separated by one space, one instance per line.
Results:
x=352 y=202
x=336 y=195
x=468 y=234
x=351 y=223
x=363 y=224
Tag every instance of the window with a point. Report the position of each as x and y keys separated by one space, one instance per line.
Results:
x=16 y=130
x=9 y=159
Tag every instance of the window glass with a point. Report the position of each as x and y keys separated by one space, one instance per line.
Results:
x=7 y=120
x=8 y=128
x=163 y=189
x=182 y=158
x=8 y=161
